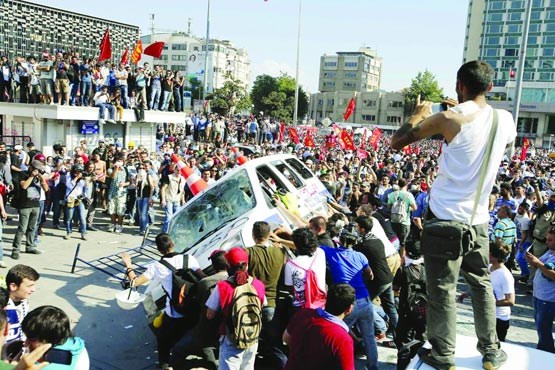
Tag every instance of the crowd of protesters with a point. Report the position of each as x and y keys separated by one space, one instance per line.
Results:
x=370 y=241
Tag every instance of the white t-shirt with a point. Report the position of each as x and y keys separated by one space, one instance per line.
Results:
x=454 y=190
x=295 y=276
x=503 y=283
x=522 y=224
x=378 y=230
x=158 y=273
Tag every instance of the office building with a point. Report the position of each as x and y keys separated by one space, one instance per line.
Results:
x=186 y=53
x=29 y=29
x=494 y=34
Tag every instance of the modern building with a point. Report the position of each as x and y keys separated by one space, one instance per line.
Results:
x=183 y=52
x=29 y=29
x=494 y=34
x=350 y=71
x=371 y=107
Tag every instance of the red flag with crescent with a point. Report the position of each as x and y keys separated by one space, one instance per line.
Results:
x=374 y=140
x=348 y=140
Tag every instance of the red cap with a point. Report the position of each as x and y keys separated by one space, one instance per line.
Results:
x=236 y=255
x=424 y=186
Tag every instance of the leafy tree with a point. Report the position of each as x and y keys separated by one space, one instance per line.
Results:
x=196 y=88
x=425 y=85
x=276 y=97
x=230 y=98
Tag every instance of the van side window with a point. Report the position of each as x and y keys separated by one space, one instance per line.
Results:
x=299 y=168
x=269 y=181
x=289 y=174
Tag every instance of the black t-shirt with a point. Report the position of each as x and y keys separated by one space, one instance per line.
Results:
x=30 y=197
x=373 y=249
x=324 y=239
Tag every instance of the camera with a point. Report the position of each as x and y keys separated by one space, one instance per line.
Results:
x=348 y=236
x=439 y=107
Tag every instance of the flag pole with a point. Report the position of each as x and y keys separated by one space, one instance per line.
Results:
x=206 y=52
x=355 y=110
x=296 y=110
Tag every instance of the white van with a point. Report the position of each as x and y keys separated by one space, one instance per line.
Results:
x=222 y=216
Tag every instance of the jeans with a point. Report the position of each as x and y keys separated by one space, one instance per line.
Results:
x=380 y=319
x=166 y=99
x=85 y=92
x=27 y=221
x=143 y=204
x=385 y=292
x=73 y=89
x=177 y=99
x=232 y=358
x=441 y=283
x=108 y=106
x=40 y=220
x=522 y=263
x=57 y=208
x=1 y=242
x=544 y=314
x=363 y=315
x=81 y=213
x=155 y=98
x=124 y=96
x=271 y=338
x=171 y=208
x=402 y=232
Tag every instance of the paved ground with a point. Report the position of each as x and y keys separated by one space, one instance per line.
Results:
x=118 y=339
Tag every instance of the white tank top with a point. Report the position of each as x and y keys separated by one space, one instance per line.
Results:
x=453 y=191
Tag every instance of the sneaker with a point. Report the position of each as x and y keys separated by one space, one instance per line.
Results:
x=33 y=251
x=50 y=213
x=67 y=236
x=3 y=264
x=119 y=229
x=83 y=237
x=425 y=355
x=493 y=361
x=110 y=121
x=112 y=228
x=15 y=255
x=60 y=227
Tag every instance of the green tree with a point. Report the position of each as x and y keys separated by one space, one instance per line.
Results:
x=276 y=97
x=424 y=84
x=196 y=88
x=231 y=98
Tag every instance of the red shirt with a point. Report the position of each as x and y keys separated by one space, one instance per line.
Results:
x=318 y=343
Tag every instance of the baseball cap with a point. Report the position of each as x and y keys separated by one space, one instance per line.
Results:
x=236 y=256
x=424 y=186
x=18 y=147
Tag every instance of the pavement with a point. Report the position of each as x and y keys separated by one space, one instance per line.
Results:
x=118 y=339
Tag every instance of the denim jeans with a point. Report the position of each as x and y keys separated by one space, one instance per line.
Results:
x=155 y=98
x=143 y=205
x=166 y=99
x=232 y=358
x=177 y=99
x=441 y=283
x=40 y=220
x=521 y=260
x=363 y=316
x=108 y=106
x=171 y=208
x=81 y=213
x=385 y=292
x=73 y=89
x=380 y=319
x=124 y=96
x=1 y=242
x=270 y=336
x=27 y=222
x=544 y=314
x=85 y=92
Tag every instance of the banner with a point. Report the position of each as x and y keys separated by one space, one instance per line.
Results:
x=308 y=140
x=375 y=138
x=362 y=154
x=137 y=51
x=105 y=46
x=350 y=109
x=347 y=139
x=155 y=50
x=293 y=135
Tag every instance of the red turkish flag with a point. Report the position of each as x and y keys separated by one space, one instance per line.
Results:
x=350 y=109
x=293 y=135
x=308 y=140
x=511 y=73
x=125 y=57
x=524 y=151
x=362 y=154
x=137 y=51
x=105 y=46
x=376 y=135
x=155 y=50
x=349 y=144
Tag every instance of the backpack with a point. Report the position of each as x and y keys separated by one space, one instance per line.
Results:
x=399 y=210
x=184 y=297
x=417 y=302
x=314 y=297
x=245 y=322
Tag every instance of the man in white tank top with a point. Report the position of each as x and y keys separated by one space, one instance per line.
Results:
x=465 y=129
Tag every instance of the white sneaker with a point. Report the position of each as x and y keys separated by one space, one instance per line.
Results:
x=119 y=229
x=50 y=213
x=112 y=228
x=110 y=121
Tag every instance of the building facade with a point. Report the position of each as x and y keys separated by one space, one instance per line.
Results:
x=350 y=71
x=29 y=29
x=494 y=34
x=187 y=54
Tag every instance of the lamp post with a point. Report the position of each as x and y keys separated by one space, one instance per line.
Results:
x=296 y=110
x=550 y=137
x=206 y=53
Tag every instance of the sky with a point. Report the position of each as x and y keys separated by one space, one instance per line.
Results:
x=410 y=35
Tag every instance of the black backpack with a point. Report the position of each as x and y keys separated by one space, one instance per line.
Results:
x=184 y=297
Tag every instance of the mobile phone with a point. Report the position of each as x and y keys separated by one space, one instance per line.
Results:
x=528 y=248
x=438 y=107
x=58 y=356
x=13 y=349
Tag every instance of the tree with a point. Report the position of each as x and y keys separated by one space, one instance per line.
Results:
x=196 y=88
x=231 y=98
x=425 y=85
x=276 y=97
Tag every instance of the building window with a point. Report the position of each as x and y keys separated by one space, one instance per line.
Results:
x=535 y=16
x=395 y=104
x=517 y=4
x=495 y=17
x=546 y=64
x=180 y=68
x=527 y=125
x=546 y=76
x=529 y=64
x=511 y=40
x=511 y=52
x=320 y=101
x=350 y=75
x=329 y=84
x=491 y=52
x=369 y=117
x=514 y=28
x=535 y=27
x=532 y=40
x=349 y=85
x=508 y=63
x=548 y=52
x=497 y=5
x=330 y=64
x=351 y=64
x=369 y=103
x=515 y=16
x=537 y=3
x=528 y=76
x=329 y=74
x=549 y=39
x=393 y=119
x=179 y=46
x=493 y=40
x=531 y=51
x=330 y=102
x=181 y=58
x=494 y=28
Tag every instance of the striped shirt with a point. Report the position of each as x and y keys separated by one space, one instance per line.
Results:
x=505 y=229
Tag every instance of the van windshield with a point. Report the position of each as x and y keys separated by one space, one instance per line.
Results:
x=228 y=199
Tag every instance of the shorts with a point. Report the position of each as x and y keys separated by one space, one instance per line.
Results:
x=46 y=86
x=62 y=86
x=117 y=205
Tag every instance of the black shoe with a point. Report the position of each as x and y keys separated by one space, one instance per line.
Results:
x=493 y=361
x=425 y=355
x=91 y=228
x=60 y=227
x=15 y=255
x=33 y=251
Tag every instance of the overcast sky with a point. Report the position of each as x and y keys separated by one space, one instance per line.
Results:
x=409 y=35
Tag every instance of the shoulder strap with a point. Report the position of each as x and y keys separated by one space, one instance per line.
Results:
x=485 y=163
x=185 y=261
x=168 y=265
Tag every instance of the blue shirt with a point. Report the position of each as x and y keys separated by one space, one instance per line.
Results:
x=421 y=204
x=346 y=266
x=544 y=288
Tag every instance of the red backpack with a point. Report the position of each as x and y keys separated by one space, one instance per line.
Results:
x=314 y=297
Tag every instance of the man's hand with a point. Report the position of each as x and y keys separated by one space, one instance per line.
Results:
x=533 y=260
x=29 y=361
x=422 y=111
x=126 y=260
